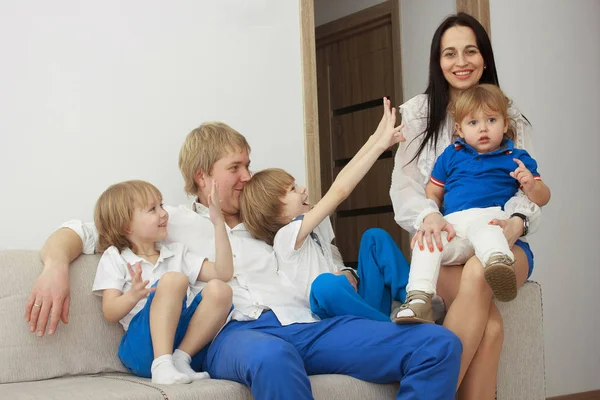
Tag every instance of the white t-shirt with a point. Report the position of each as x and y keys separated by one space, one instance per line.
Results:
x=112 y=272
x=256 y=284
x=312 y=259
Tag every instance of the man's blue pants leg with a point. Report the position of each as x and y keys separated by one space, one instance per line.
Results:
x=274 y=360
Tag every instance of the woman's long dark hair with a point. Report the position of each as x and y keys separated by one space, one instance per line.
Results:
x=437 y=89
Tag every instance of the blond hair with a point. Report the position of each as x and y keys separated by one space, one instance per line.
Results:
x=204 y=146
x=484 y=97
x=261 y=206
x=114 y=210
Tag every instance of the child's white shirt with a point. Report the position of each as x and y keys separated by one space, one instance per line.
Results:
x=301 y=266
x=112 y=271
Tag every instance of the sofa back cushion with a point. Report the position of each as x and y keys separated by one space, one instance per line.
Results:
x=86 y=345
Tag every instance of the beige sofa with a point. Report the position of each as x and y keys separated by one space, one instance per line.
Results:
x=80 y=361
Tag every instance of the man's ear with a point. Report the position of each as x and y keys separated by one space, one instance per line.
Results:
x=200 y=178
x=457 y=129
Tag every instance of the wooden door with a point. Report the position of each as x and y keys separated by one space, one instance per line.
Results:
x=358 y=63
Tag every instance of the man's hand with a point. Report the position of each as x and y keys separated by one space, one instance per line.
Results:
x=350 y=277
x=49 y=298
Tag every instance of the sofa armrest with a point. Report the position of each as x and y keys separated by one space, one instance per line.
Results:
x=521 y=371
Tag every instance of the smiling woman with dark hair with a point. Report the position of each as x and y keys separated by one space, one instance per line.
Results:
x=461 y=57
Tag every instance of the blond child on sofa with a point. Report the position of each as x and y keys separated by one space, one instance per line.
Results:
x=145 y=284
x=275 y=209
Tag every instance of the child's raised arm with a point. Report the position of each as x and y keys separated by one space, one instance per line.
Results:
x=222 y=268
x=385 y=136
x=116 y=305
x=532 y=186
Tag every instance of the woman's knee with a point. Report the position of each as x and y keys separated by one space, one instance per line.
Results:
x=473 y=278
x=217 y=292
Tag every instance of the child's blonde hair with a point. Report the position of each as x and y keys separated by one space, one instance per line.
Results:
x=485 y=97
x=114 y=210
x=204 y=146
x=261 y=206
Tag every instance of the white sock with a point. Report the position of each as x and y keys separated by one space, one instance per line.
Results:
x=164 y=371
x=182 y=361
x=407 y=312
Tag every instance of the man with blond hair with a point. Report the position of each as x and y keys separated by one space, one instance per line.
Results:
x=255 y=349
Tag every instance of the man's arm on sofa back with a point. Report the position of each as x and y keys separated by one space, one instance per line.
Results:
x=49 y=298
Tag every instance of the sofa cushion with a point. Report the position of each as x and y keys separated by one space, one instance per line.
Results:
x=119 y=386
x=87 y=345
x=521 y=369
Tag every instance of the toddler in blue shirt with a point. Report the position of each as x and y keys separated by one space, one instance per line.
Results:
x=470 y=182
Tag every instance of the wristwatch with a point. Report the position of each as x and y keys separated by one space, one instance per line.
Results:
x=525 y=222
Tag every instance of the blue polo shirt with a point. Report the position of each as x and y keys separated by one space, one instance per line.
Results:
x=473 y=180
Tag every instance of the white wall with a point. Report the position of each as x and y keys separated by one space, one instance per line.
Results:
x=98 y=92
x=548 y=55
x=418 y=21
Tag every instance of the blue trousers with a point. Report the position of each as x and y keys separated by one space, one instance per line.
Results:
x=275 y=361
x=382 y=269
x=333 y=295
x=136 y=351
x=383 y=273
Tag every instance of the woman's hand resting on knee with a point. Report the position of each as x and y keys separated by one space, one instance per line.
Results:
x=431 y=230
x=512 y=228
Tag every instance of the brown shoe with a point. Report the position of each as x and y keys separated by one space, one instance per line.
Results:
x=423 y=311
x=500 y=276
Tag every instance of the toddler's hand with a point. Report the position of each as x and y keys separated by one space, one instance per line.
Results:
x=524 y=176
x=138 y=287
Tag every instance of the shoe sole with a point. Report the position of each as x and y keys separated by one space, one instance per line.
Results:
x=502 y=280
x=411 y=320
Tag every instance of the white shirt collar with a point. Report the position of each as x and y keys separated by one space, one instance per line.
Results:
x=200 y=208
x=131 y=258
x=203 y=211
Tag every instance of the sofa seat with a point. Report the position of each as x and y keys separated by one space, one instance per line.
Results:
x=129 y=387
x=80 y=361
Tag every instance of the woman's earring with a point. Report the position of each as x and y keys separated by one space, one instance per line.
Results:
x=485 y=66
